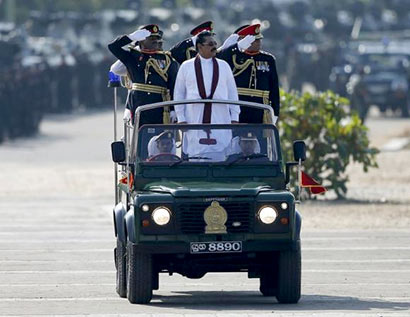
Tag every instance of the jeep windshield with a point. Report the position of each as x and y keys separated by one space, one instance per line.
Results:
x=233 y=144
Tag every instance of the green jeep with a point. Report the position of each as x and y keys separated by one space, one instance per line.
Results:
x=199 y=198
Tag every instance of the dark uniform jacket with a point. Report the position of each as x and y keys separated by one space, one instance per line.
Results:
x=149 y=73
x=183 y=50
x=253 y=72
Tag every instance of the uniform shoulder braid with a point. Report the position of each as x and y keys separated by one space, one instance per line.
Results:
x=164 y=53
x=268 y=54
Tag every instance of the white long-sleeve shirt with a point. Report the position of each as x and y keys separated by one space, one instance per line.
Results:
x=186 y=88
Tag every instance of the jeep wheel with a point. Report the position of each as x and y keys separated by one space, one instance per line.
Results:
x=120 y=261
x=289 y=276
x=139 y=276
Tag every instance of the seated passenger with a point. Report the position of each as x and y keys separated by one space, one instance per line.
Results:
x=162 y=147
x=249 y=149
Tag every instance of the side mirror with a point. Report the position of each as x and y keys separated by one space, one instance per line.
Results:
x=118 y=151
x=299 y=150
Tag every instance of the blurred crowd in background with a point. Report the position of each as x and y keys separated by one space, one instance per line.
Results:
x=54 y=57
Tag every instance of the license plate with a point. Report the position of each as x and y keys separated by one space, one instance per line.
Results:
x=216 y=247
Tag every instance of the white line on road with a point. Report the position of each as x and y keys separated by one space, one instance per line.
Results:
x=173 y=284
x=56 y=250
x=82 y=299
x=14 y=250
x=113 y=271
x=304 y=261
x=57 y=261
x=51 y=240
x=353 y=248
x=354 y=261
x=67 y=284
x=116 y=298
x=58 y=272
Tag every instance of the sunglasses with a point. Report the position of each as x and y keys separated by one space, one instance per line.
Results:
x=210 y=44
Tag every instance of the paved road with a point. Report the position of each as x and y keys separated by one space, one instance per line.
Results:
x=56 y=244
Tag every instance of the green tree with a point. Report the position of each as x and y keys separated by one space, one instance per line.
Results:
x=334 y=137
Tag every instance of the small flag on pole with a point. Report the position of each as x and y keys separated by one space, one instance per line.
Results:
x=113 y=80
x=124 y=180
x=314 y=186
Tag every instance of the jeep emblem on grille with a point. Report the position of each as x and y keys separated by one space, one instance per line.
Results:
x=215 y=217
x=215 y=199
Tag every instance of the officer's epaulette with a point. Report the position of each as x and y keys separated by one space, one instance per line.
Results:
x=267 y=53
x=164 y=52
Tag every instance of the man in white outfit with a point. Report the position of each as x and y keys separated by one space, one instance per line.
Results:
x=206 y=77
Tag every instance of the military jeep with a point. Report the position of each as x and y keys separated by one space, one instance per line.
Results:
x=199 y=198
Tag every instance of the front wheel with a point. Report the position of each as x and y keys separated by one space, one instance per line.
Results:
x=139 y=276
x=289 y=276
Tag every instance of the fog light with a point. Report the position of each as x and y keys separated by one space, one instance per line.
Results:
x=145 y=208
x=284 y=205
x=267 y=214
x=161 y=216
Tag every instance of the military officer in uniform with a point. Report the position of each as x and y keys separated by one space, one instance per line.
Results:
x=185 y=49
x=152 y=72
x=254 y=72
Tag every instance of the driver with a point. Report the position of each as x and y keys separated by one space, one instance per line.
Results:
x=162 y=143
x=249 y=145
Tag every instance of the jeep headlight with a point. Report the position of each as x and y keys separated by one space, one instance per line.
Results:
x=267 y=214
x=161 y=216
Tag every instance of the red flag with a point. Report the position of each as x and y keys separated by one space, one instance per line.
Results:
x=124 y=180
x=314 y=186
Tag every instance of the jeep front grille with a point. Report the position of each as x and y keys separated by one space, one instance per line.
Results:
x=191 y=217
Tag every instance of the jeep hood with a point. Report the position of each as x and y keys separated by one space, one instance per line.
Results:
x=198 y=189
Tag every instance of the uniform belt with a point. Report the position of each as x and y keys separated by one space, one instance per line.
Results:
x=152 y=89
x=264 y=94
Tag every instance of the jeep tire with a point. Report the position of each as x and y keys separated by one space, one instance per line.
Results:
x=289 y=276
x=139 y=276
x=121 y=276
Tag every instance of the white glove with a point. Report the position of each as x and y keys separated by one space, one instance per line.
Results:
x=139 y=35
x=246 y=42
x=231 y=40
x=275 y=119
x=119 y=68
x=173 y=117
x=127 y=115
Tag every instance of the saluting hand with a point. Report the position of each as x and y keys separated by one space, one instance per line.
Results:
x=246 y=42
x=139 y=35
x=231 y=40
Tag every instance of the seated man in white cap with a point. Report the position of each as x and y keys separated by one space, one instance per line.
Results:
x=162 y=147
x=249 y=149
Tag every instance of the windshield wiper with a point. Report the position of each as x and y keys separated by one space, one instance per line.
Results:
x=247 y=157
x=189 y=158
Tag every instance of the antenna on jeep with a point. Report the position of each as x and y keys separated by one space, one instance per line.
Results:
x=299 y=181
x=114 y=81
